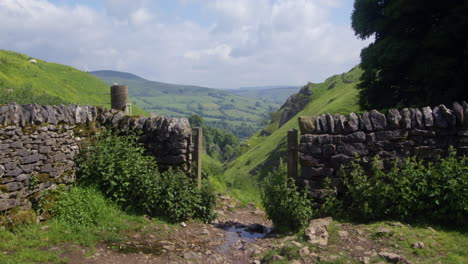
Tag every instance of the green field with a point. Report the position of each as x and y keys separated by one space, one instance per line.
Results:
x=69 y=84
x=213 y=105
x=336 y=95
x=273 y=94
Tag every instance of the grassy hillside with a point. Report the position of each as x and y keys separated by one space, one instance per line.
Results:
x=336 y=95
x=218 y=108
x=273 y=94
x=65 y=82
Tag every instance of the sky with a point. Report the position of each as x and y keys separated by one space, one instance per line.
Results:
x=212 y=43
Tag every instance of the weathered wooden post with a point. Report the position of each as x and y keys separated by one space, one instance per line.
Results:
x=197 y=135
x=292 y=153
x=119 y=97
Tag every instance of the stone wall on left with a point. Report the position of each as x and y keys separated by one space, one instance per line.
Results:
x=39 y=145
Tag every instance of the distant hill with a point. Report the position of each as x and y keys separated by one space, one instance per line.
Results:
x=273 y=94
x=337 y=94
x=219 y=108
x=65 y=82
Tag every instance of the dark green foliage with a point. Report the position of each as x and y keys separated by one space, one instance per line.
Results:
x=420 y=53
x=195 y=120
x=217 y=143
x=436 y=192
x=287 y=206
x=178 y=198
x=26 y=95
x=118 y=166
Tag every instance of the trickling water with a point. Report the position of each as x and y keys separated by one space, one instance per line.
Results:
x=236 y=232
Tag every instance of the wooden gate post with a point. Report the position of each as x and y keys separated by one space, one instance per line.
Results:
x=292 y=153
x=197 y=134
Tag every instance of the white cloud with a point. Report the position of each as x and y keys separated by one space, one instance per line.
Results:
x=248 y=43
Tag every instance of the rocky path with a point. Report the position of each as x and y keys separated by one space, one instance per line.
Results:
x=236 y=236
x=241 y=235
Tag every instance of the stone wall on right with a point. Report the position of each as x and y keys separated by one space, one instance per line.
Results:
x=330 y=141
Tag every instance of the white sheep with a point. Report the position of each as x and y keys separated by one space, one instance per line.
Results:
x=32 y=61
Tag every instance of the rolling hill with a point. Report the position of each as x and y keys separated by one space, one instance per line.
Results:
x=67 y=83
x=243 y=175
x=240 y=115
x=273 y=94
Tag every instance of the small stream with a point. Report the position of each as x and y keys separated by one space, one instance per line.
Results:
x=236 y=232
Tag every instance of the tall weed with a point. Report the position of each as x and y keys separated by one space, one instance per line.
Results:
x=287 y=206
x=119 y=167
x=413 y=190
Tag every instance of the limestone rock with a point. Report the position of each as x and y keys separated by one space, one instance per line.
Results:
x=458 y=112
x=393 y=118
x=6 y=204
x=378 y=120
x=307 y=124
x=322 y=120
x=417 y=116
x=366 y=122
x=394 y=258
x=439 y=118
x=353 y=123
x=448 y=115
x=405 y=118
x=343 y=234
x=317 y=231
x=418 y=245
x=331 y=123
x=428 y=118
x=339 y=123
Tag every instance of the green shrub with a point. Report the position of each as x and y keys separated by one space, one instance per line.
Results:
x=118 y=166
x=286 y=206
x=436 y=192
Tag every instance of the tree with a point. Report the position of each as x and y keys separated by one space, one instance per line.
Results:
x=195 y=120
x=419 y=55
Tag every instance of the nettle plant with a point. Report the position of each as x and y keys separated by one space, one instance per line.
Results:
x=119 y=168
x=411 y=190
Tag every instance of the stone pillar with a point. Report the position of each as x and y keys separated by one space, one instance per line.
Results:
x=119 y=97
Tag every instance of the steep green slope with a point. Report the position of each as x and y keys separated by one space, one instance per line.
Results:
x=65 y=82
x=219 y=108
x=336 y=95
x=272 y=94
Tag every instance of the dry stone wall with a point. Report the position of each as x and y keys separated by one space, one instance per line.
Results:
x=39 y=145
x=330 y=141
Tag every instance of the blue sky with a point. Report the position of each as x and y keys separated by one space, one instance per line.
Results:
x=214 y=43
